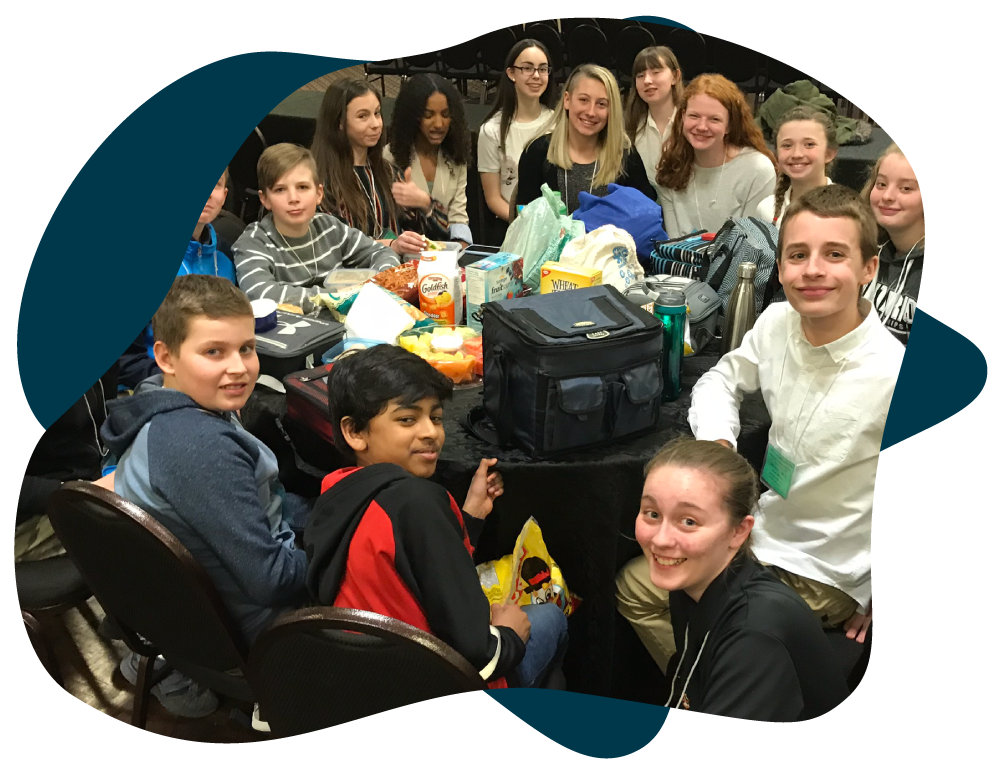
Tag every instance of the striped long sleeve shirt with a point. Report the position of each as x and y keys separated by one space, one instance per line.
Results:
x=270 y=267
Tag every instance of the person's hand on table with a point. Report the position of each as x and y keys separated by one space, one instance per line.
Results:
x=856 y=628
x=410 y=195
x=408 y=243
x=512 y=616
x=485 y=488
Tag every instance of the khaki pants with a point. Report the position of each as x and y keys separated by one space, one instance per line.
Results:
x=647 y=607
x=35 y=539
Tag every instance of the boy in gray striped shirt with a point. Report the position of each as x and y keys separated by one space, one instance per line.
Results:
x=286 y=256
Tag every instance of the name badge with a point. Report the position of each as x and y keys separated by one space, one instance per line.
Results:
x=778 y=471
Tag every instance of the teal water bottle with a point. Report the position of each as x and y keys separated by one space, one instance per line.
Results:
x=671 y=310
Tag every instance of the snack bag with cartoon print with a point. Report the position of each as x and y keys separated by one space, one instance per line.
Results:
x=529 y=576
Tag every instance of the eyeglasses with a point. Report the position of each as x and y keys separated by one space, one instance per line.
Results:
x=527 y=70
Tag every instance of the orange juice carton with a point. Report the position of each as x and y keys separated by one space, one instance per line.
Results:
x=495 y=277
x=556 y=277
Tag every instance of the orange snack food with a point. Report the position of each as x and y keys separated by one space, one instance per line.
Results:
x=459 y=370
x=474 y=347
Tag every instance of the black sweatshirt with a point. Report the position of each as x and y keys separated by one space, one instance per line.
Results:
x=69 y=450
x=761 y=652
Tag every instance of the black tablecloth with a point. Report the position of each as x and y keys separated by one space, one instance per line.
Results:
x=585 y=504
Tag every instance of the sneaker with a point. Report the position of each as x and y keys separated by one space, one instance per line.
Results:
x=179 y=694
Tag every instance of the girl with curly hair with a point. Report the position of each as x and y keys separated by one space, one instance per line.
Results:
x=429 y=140
x=715 y=164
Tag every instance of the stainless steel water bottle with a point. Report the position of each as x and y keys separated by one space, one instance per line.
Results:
x=741 y=313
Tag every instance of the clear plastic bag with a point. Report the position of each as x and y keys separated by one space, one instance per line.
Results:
x=539 y=234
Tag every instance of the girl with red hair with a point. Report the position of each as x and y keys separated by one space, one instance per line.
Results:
x=715 y=164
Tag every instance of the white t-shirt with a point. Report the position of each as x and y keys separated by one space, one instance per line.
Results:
x=519 y=134
x=765 y=210
x=736 y=188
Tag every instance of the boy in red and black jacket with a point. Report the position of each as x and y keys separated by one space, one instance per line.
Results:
x=382 y=538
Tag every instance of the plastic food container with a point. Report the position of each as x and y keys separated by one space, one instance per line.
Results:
x=350 y=343
x=456 y=246
x=344 y=279
x=454 y=351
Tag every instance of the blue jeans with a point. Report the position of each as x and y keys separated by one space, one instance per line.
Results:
x=545 y=648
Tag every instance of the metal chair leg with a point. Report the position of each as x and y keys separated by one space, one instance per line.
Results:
x=42 y=647
x=143 y=685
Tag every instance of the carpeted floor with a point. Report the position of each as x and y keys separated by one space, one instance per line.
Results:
x=89 y=666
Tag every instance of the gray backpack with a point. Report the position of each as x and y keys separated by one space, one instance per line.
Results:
x=740 y=240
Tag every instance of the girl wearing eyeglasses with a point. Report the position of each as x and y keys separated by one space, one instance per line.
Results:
x=521 y=110
x=584 y=146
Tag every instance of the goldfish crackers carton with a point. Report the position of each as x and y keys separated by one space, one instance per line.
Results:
x=495 y=277
x=440 y=287
x=556 y=277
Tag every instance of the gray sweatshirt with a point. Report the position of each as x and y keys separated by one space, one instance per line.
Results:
x=736 y=189
x=270 y=267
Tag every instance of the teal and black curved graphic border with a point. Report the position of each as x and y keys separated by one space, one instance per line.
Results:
x=122 y=269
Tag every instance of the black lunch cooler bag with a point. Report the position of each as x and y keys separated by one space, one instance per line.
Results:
x=571 y=369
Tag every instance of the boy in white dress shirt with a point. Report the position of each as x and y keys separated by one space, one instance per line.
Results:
x=827 y=368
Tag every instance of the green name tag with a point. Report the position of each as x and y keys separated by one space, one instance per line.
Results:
x=388 y=233
x=778 y=471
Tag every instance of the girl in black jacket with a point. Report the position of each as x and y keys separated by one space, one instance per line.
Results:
x=584 y=147
x=748 y=646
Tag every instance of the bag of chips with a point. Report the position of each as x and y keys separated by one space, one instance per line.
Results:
x=529 y=576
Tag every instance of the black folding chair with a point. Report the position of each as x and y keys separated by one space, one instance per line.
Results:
x=245 y=202
x=319 y=667
x=47 y=588
x=740 y=65
x=493 y=49
x=161 y=599
x=691 y=49
x=587 y=44
x=628 y=43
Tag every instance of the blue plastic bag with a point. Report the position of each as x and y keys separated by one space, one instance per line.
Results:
x=628 y=209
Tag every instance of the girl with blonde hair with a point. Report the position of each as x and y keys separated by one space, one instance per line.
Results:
x=584 y=147
x=715 y=164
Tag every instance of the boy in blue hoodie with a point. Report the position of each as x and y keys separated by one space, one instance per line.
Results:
x=206 y=253
x=184 y=458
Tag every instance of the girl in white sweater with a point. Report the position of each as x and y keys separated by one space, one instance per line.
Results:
x=715 y=164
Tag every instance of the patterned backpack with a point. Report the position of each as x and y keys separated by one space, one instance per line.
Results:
x=740 y=240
